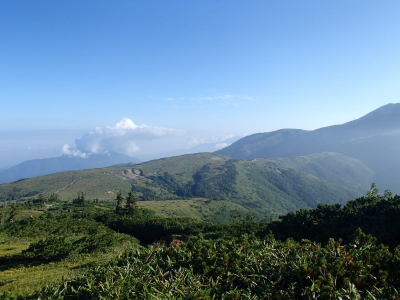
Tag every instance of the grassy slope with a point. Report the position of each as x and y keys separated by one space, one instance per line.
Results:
x=267 y=187
x=96 y=183
x=217 y=211
x=104 y=183
x=18 y=277
x=21 y=276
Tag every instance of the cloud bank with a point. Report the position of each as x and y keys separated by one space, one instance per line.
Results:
x=123 y=137
x=220 y=142
x=221 y=145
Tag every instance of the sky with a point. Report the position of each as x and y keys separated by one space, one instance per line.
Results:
x=147 y=77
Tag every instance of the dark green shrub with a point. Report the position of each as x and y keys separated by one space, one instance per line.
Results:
x=91 y=243
x=52 y=248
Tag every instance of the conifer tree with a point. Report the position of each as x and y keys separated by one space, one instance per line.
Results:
x=80 y=200
x=54 y=197
x=119 y=208
x=131 y=204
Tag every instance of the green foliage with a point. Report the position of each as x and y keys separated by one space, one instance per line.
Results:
x=80 y=200
x=52 y=248
x=60 y=237
x=54 y=197
x=147 y=227
x=119 y=208
x=334 y=167
x=240 y=268
x=374 y=214
x=58 y=247
x=39 y=199
x=13 y=213
x=131 y=204
x=209 y=183
x=97 y=242
x=148 y=194
x=311 y=254
x=61 y=223
x=207 y=210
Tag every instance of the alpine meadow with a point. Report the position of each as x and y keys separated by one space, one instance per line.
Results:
x=201 y=150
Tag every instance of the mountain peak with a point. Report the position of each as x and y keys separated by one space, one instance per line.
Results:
x=388 y=109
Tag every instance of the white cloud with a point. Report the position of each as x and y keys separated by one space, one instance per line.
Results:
x=223 y=97
x=226 y=136
x=227 y=97
x=195 y=140
x=66 y=149
x=122 y=137
x=219 y=146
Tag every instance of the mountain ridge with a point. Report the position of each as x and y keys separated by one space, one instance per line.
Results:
x=384 y=110
x=373 y=139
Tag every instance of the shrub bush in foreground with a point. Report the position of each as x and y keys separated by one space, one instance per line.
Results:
x=243 y=268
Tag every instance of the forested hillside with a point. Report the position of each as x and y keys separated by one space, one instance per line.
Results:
x=335 y=167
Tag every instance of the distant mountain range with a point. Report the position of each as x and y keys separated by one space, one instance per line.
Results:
x=38 y=167
x=374 y=139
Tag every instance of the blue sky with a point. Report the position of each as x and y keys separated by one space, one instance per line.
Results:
x=187 y=72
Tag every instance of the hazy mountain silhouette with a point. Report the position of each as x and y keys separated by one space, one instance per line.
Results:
x=206 y=147
x=373 y=139
x=38 y=167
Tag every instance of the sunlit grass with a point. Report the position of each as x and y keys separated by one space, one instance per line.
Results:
x=26 y=279
x=217 y=211
x=20 y=277
x=8 y=249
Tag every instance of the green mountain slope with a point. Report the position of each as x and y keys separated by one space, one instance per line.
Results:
x=265 y=188
x=374 y=139
x=268 y=188
x=335 y=167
